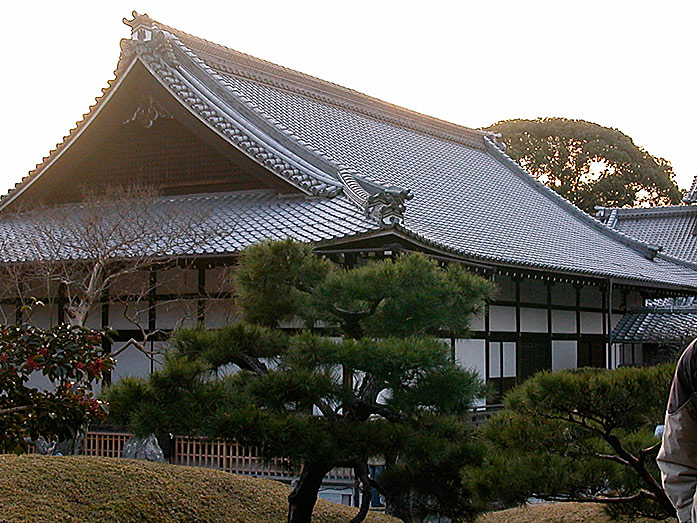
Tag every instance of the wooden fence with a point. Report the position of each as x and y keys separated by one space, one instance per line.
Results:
x=215 y=454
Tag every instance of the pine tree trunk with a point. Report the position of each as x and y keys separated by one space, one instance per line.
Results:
x=301 y=502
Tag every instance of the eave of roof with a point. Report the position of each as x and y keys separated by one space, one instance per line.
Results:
x=656 y=326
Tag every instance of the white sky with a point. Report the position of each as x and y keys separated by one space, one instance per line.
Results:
x=625 y=64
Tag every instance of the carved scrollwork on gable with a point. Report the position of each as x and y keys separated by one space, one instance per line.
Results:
x=147 y=113
x=162 y=54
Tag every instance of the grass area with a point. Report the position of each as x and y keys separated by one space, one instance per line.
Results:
x=552 y=513
x=49 y=489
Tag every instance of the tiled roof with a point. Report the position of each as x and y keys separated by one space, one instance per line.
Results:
x=468 y=197
x=218 y=223
x=465 y=198
x=674 y=228
x=657 y=325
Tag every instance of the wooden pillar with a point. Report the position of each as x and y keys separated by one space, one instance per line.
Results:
x=577 y=287
x=152 y=312
x=608 y=355
x=201 y=304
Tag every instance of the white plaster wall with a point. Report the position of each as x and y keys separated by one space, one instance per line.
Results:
x=502 y=319
x=591 y=297
x=130 y=362
x=478 y=322
x=563 y=294
x=39 y=288
x=614 y=320
x=118 y=313
x=219 y=279
x=471 y=354
x=564 y=354
x=176 y=314
x=509 y=359
x=533 y=291
x=220 y=313
x=39 y=381
x=45 y=316
x=591 y=322
x=136 y=283
x=533 y=320
x=7 y=314
x=563 y=322
x=94 y=318
x=177 y=281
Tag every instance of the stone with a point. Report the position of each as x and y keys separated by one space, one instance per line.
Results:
x=146 y=448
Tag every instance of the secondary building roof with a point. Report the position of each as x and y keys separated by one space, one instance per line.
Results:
x=345 y=165
x=672 y=228
x=671 y=321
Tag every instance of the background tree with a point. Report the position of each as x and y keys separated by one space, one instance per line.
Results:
x=588 y=164
x=384 y=390
x=71 y=359
x=111 y=244
x=583 y=435
x=78 y=252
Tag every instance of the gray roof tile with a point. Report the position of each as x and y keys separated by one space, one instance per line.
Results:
x=465 y=199
x=656 y=326
x=469 y=198
x=224 y=222
x=673 y=228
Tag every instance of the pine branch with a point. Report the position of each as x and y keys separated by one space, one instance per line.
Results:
x=11 y=410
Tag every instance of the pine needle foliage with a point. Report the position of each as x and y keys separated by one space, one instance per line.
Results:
x=366 y=378
x=584 y=435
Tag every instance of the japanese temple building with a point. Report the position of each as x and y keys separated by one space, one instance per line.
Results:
x=274 y=153
x=668 y=323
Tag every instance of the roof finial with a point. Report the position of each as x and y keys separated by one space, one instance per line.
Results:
x=141 y=26
x=691 y=195
x=138 y=21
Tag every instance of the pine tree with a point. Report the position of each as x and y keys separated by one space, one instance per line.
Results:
x=372 y=382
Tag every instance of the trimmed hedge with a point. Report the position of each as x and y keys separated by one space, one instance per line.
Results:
x=85 y=489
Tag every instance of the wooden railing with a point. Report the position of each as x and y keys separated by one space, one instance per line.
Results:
x=215 y=454
x=105 y=444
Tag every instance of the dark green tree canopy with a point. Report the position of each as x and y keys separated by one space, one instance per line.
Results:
x=580 y=435
x=366 y=378
x=588 y=164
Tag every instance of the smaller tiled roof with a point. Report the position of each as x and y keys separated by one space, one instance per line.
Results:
x=220 y=224
x=665 y=323
x=672 y=227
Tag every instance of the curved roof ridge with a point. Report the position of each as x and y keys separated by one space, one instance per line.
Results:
x=650 y=212
x=677 y=261
x=384 y=203
x=691 y=194
x=647 y=250
x=243 y=64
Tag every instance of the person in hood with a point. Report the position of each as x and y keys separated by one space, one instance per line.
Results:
x=677 y=458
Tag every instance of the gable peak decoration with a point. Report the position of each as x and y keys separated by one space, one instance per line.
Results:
x=251 y=130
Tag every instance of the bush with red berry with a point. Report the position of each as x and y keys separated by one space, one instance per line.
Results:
x=72 y=359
